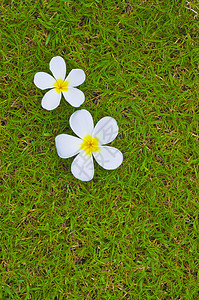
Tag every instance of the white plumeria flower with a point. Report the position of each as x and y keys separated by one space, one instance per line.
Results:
x=90 y=143
x=60 y=85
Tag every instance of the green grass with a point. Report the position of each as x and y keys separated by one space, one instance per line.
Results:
x=130 y=233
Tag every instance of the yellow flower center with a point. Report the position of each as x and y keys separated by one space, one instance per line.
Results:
x=61 y=86
x=90 y=144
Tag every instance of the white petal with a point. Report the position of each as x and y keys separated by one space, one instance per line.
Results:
x=67 y=145
x=82 y=166
x=106 y=130
x=76 y=77
x=81 y=122
x=58 y=67
x=108 y=157
x=51 y=100
x=74 y=96
x=43 y=80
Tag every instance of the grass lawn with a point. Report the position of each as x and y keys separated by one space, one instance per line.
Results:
x=130 y=233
